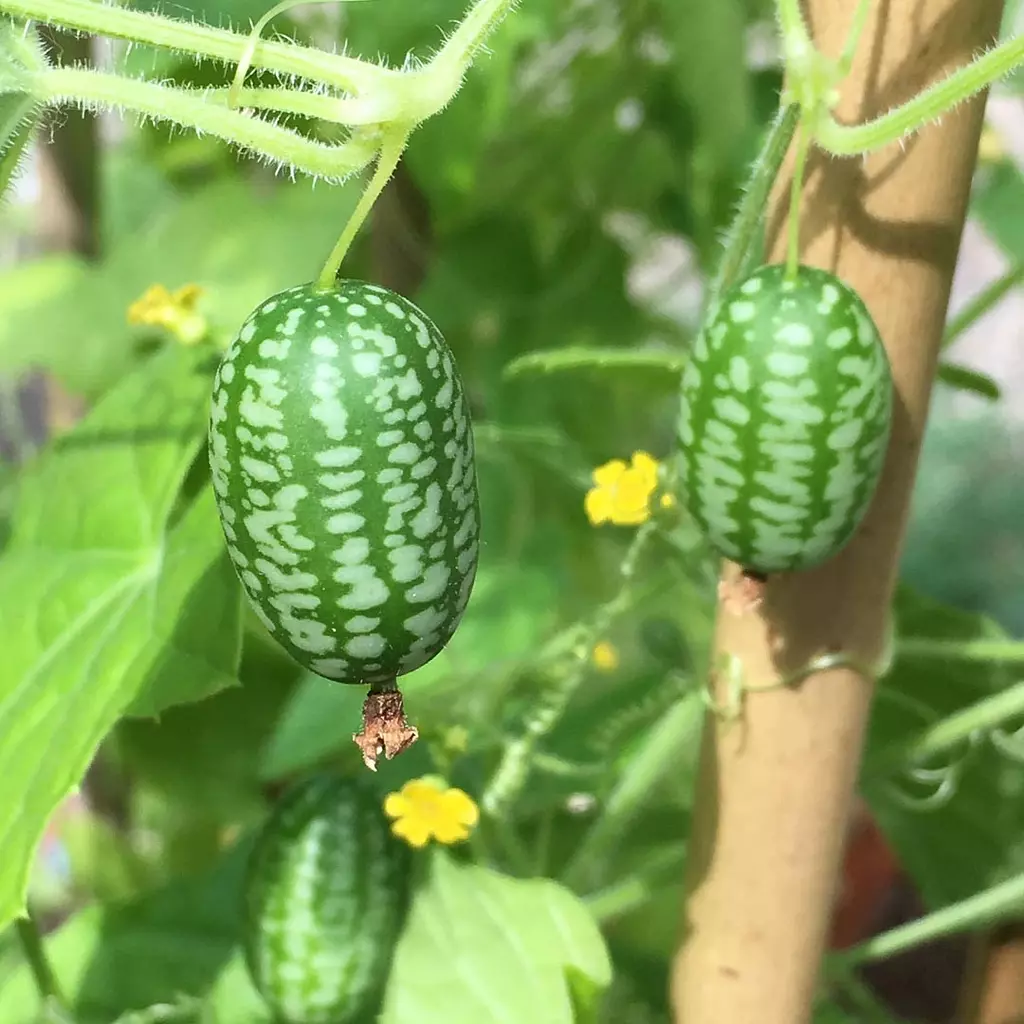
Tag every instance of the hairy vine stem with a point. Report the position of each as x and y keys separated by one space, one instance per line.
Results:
x=346 y=73
x=190 y=108
x=814 y=79
x=739 y=239
x=927 y=106
x=376 y=96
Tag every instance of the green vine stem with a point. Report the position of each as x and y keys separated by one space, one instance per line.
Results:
x=663 y=747
x=740 y=238
x=962 y=650
x=377 y=95
x=390 y=153
x=813 y=81
x=927 y=106
x=794 y=30
x=322 y=106
x=860 y=17
x=638 y=888
x=98 y=88
x=39 y=964
x=347 y=73
x=988 y=907
x=245 y=61
x=989 y=297
x=980 y=718
x=796 y=190
x=452 y=61
x=517 y=757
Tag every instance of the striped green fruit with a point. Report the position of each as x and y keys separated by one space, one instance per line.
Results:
x=784 y=420
x=325 y=899
x=342 y=458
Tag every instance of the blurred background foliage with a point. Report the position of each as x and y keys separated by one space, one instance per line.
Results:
x=574 y=194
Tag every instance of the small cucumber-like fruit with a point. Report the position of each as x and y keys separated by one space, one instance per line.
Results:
x=325 y=898
x=786 y=404
x=342 y=457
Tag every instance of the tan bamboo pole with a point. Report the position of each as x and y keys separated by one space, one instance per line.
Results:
x=775 y=791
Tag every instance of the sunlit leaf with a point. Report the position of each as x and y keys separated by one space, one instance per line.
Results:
x=480 y=946
x=92 y=592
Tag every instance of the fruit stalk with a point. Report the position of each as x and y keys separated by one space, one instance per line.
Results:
x=775 y=789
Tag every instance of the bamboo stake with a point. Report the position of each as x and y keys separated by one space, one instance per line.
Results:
x=775 y=791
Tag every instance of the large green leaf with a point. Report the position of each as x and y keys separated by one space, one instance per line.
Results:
x=92 y=592
x=204 y=757
x=482 y=948
x=109 y=960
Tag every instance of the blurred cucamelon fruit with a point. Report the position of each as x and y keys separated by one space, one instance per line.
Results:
x=326 y=895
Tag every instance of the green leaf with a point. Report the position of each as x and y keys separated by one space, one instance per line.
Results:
x=969 y=836
x=581 y=358
x=963 y=378
x=205 y=756
x=320 y=718
x=988 y=298
x=92 y=591
x=482 y=948
x=110 y=960
x=196 y=612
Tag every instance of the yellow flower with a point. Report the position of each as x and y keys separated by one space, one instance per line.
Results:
x=605 y=656
x=176 y=312
x=425 y=808
x=621 y=493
